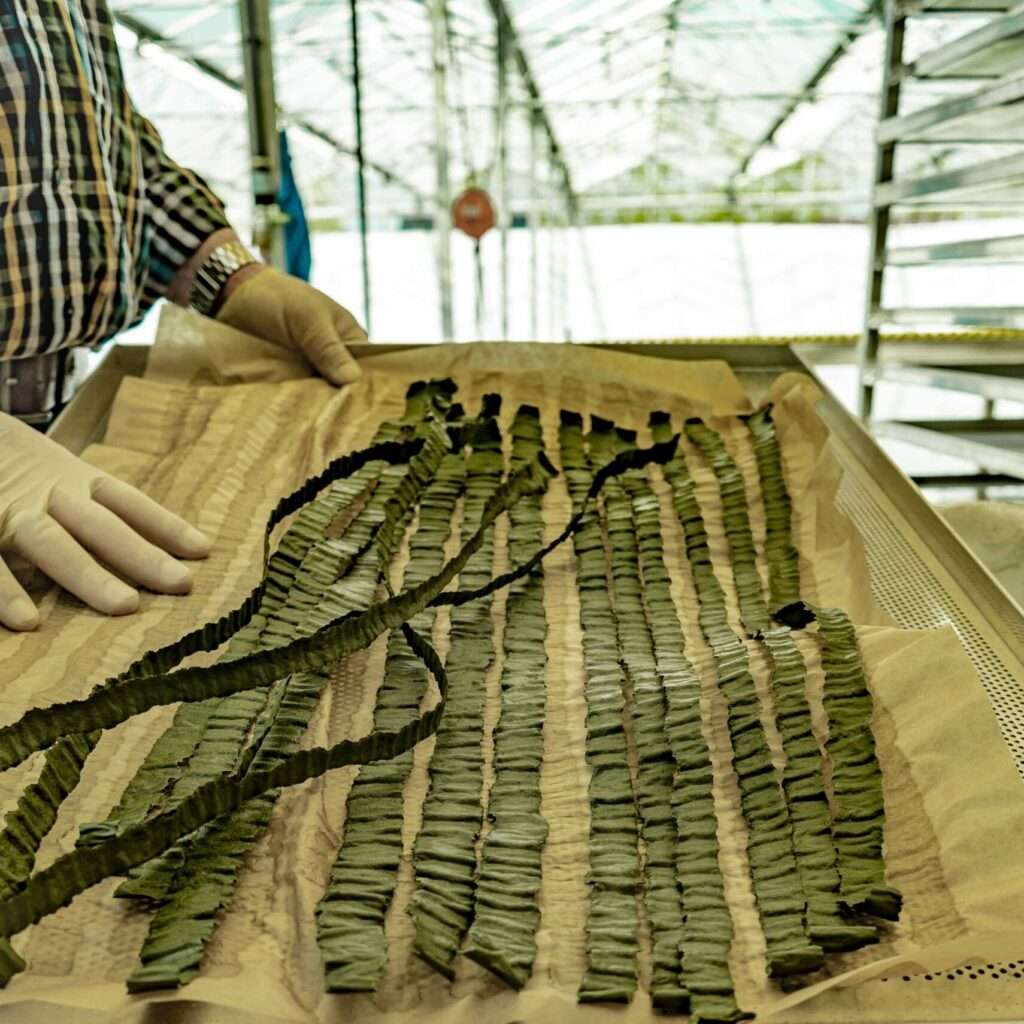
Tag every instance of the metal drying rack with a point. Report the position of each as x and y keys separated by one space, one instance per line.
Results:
x=921 y=574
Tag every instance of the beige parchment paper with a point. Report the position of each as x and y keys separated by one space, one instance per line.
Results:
x=222 y=425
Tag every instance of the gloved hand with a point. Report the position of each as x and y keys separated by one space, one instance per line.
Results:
x=289 y=312
x=61 y=514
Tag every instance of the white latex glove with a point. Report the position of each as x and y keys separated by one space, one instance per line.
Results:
x=61 y=514
x=289 y=312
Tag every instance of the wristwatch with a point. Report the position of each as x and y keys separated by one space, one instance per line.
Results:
x=211 y=277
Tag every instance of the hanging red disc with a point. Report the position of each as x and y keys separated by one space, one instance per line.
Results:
x=473 y=212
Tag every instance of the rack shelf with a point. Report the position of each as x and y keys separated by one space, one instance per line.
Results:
x=995 y=49
x=1004 y=249
x=993 y=113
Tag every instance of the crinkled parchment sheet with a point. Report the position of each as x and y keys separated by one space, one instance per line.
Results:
x=221 y=426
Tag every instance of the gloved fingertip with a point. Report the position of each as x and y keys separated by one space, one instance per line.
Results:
x=175 y=578
x=341 y=369
x=119 y=599
x=195 y=543
x=21 y=614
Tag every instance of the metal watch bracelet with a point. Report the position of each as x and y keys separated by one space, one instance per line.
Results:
x=211 y=277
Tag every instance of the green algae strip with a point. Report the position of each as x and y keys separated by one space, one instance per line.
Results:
x=655 y=763
x=656 y=766
x=201 y=878
x=506 y=914
x=753 y=609
x=859 y=820
x=444 y=858
x=802 y=781
x=614 y=878
x=781 y=905
x=782 y=557
x=707 y=923
x=351 y=913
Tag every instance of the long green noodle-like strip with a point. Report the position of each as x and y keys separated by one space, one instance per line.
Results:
x=773 y=868
x=783 y=558
x=802 y=780
x=611 y=929
x=655 y=763
x=351 y=913
x=202 y=880
x=856 y=778
x=444 y=858
x=707 y=923
x=503 y=935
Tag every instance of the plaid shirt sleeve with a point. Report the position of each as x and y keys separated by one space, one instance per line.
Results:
x=95 y=217
x=180 y=213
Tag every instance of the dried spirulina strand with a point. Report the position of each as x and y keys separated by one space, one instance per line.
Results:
x=753 y=610
x=707 y=923
x=782 y=556
x=444 y=858
x=614 y=877
x=351 y=914
x=202 y=879
x=655 y=763
x=802 y=781
x=769 y=832
x=503 y=935
x=856 y=777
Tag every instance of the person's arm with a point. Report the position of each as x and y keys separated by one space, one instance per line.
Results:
x=181 y=216
x=187 y=224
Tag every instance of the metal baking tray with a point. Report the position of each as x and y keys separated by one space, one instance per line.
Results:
x=921 y=574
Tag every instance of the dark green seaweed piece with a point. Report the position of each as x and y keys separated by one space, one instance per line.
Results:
x=773 y=867
x=856 y=778
x=655 y=763
x=200 y=879
x=707 y=923
x=809 y=810
x=802 y=781
x=614 y=877
x=753 y=609
x=351 y=913
x=503 y=935
x=444 y=856
x=783 y=558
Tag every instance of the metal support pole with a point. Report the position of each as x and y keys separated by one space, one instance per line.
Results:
x=258 y=65
x=501 y=162
x=357 y=94
x=442 y=200
x=532 y=215
x=867 y=350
